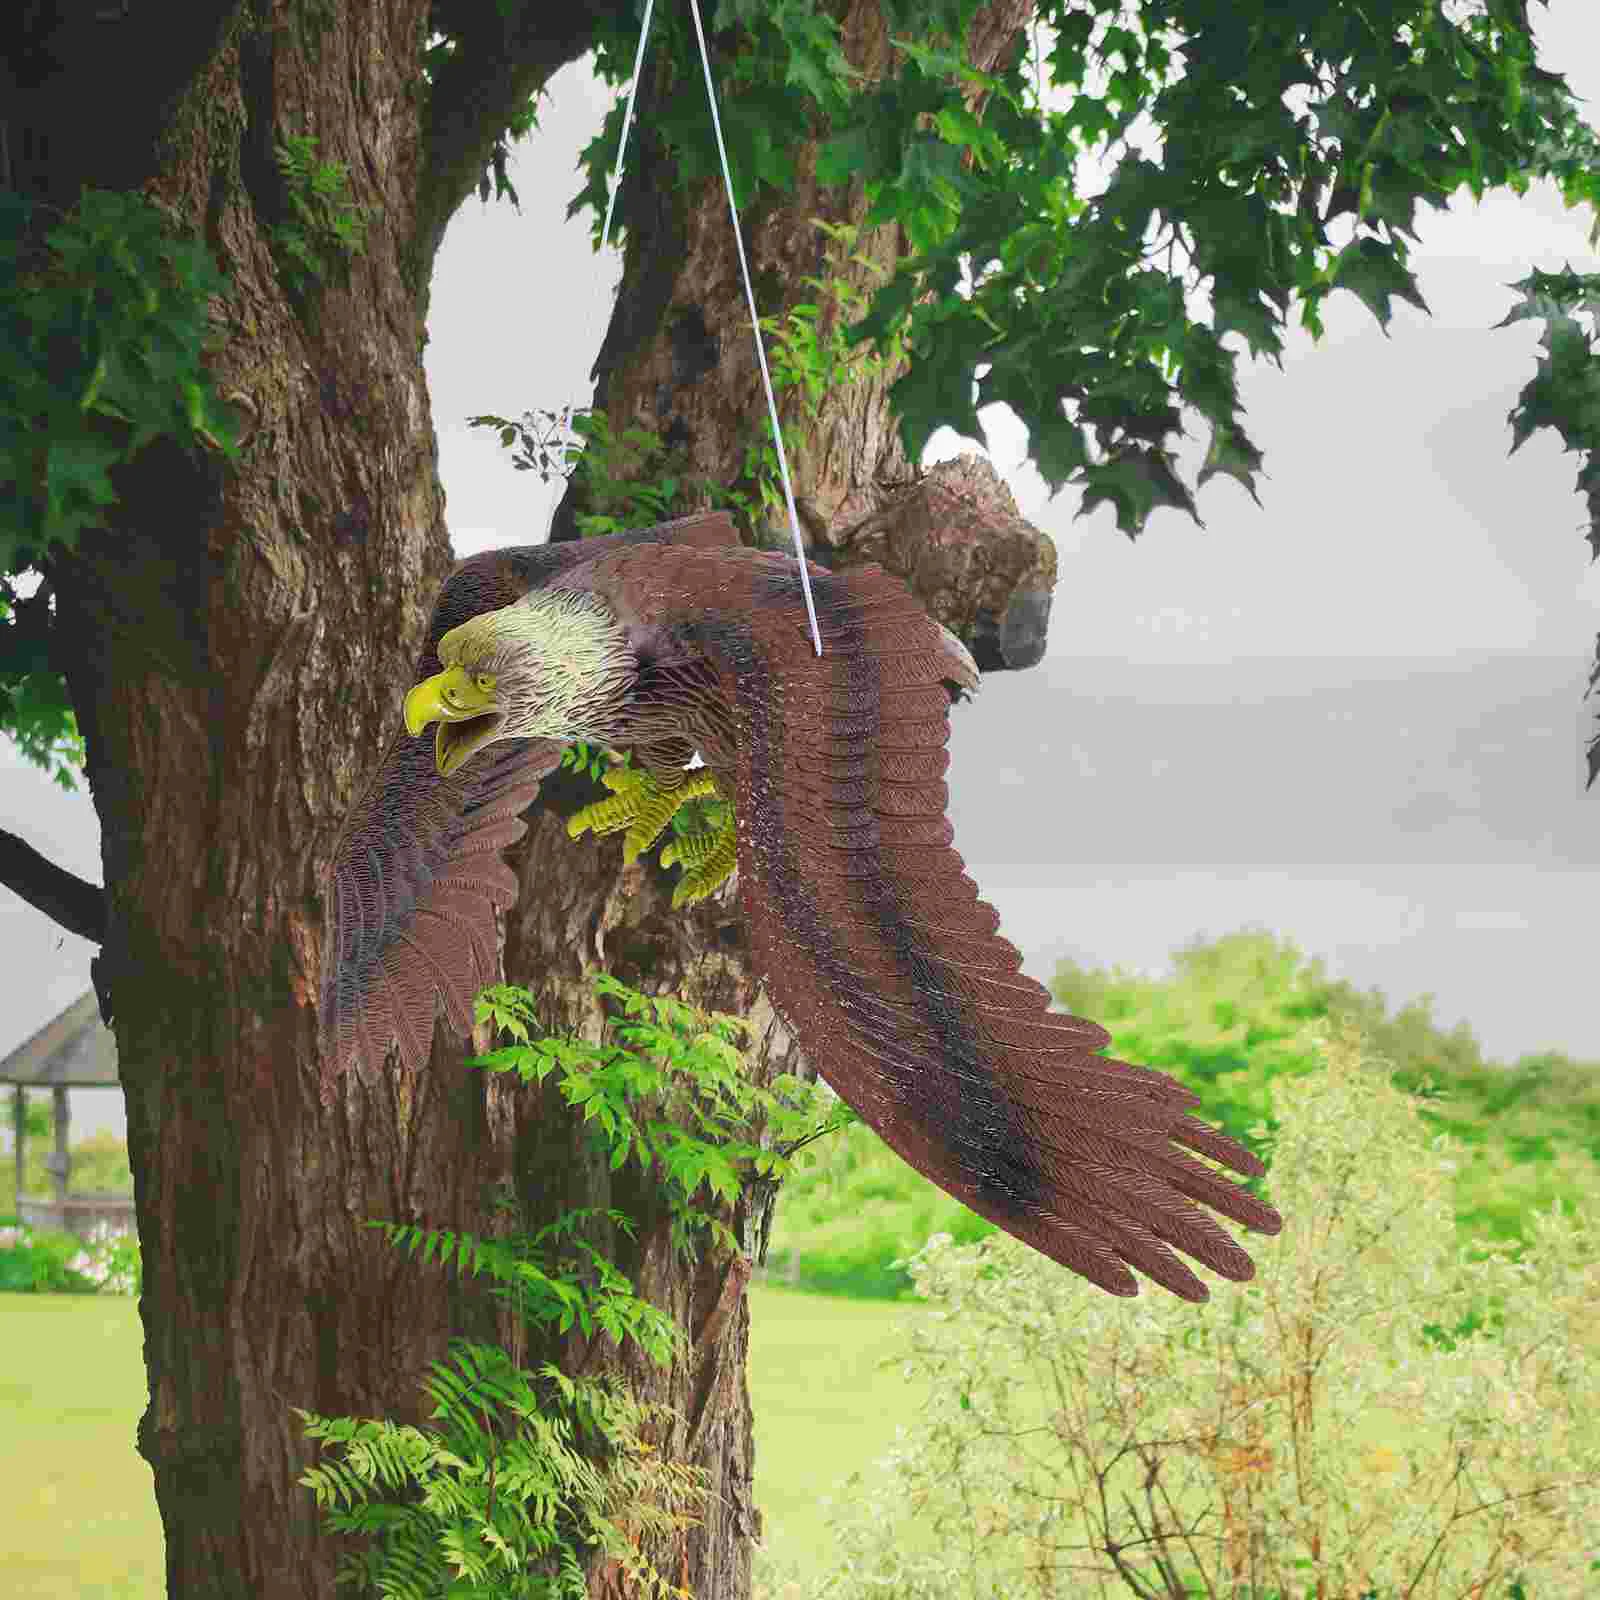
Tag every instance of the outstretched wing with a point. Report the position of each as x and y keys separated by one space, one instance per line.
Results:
x=409 y=926
x=878 y=952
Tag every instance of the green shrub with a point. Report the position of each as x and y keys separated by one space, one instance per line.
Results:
x=1229 y=1024
x=848 y=1225
x=110 y=1261
x=34 y=1262
x=1085 y=1446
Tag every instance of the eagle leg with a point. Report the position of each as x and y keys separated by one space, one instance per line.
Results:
x=644 y=802
x=707 y=859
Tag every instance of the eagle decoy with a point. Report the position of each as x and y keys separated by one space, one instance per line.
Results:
x=872 y=941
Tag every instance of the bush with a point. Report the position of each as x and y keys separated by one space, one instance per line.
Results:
x=61 y=1263
x=39 y=1263
x=1234 y=1018
x=110 y=1261
x=1081 y=1445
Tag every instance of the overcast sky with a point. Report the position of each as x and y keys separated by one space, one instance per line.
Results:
x=1394 y=533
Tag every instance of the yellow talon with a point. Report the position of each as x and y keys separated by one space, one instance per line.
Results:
x=690 y=849
x=644 y=805
x=714 y=866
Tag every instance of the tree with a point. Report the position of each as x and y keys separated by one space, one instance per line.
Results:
x=226 y=486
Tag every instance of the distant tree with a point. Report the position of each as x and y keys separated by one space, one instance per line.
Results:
x=216 y=244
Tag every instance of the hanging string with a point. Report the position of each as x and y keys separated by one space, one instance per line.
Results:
x=615 y=184
x=755 y=327
x=627 y=122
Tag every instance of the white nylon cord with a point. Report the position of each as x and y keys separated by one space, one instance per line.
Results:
x=755 y=328
x=744 y=268
x=627 y=122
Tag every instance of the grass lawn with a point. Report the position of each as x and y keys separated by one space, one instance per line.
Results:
x=824 y=1406
x=78 y=1519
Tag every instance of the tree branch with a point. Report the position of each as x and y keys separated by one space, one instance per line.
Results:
x=79 y=906
x=499 y=65
x=1594 y=743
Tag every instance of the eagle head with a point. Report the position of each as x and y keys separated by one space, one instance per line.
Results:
x=553 y=665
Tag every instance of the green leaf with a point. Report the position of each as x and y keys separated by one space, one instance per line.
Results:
x=1135 y=482
x=1376 y=274
x=855 y=152
x=1232 y=453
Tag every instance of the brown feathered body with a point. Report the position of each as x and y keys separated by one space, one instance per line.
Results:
x=873 y=943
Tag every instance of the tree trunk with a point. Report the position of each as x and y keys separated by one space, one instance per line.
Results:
x=237 y=642
x=240 y=643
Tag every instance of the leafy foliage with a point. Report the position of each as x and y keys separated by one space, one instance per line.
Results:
x=104 y=330
x=323 y=230
x=1231 y=1025
x=1076 y=1446
x=811 y=352
x=34 y=707
x=676 y=1070
x=554 y=1278
x=631 y=479
x=1072 y=306
x=110 y=1259
x=1564 y=394
x=44 y=1261
x=529 y=1469
x=788 y=76
x=501 y=1496
x=1074 y=309
x=35 y=1261
x=1296 y=145
x=105 y=324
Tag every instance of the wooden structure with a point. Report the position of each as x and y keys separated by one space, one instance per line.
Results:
x=74 y=1051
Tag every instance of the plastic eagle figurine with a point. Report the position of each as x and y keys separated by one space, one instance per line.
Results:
x=872 y=941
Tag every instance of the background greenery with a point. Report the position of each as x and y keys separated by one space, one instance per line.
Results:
x=1225 y=1023
x=829 y=1325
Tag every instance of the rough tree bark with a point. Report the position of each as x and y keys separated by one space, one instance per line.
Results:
x=237 y=643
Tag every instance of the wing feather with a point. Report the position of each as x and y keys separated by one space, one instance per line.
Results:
x=417 y=876
x=878 y=951
x=416 y=879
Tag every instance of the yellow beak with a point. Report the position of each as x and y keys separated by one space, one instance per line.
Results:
x=464 y=706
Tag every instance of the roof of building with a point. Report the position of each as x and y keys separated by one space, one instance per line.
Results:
x=75 y=1050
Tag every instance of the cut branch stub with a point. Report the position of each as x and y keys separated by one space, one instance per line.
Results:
x=957 y=540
